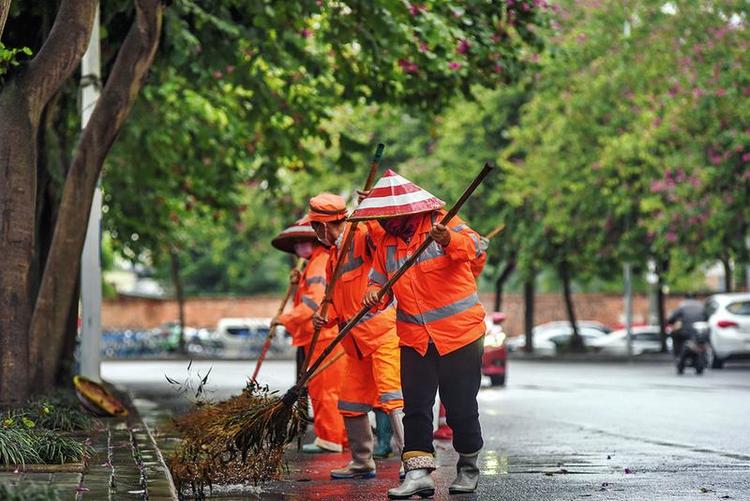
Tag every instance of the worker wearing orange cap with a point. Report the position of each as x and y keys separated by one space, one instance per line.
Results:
x=373 y=369
x=328 y=425
x=440 y=323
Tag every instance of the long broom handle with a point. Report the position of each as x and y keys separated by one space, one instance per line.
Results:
x=343 y=252
x=337 y=356
x=272 y=332
x=495 y=232
x=389 y=285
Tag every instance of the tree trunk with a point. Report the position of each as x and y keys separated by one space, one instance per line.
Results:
x=22 y=99
x=660 y=312
x=4 y=9
x=63 y=264
x=67 y=362
x=500 y=282
x=528 y=313
x=576 y=341
x=727 y=265
x=177 y=281
x=17 y=196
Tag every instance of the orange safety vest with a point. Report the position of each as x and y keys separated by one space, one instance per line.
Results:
x=310 y=293
x=437 y=298
x=376 y=327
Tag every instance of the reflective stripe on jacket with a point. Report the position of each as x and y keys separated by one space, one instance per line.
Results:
x=437 y=298
x=380 y=324
x=310 y=293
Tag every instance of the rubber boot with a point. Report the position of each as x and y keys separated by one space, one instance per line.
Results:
x=396 y=418
x=383 y=432
x=320 y=446
x=361 y=444
x=467 y=474
x=418 y=480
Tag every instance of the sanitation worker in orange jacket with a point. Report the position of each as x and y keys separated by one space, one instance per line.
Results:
x=440 y=323
x=373 y=368
x=323 y=389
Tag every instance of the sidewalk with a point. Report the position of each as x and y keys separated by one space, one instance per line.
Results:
x=126 y=464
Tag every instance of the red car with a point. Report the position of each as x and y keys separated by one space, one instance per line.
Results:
x=495 y=359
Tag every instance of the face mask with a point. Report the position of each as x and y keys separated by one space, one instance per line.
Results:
x=303 y=249
x=321 y=233
x=402 y=227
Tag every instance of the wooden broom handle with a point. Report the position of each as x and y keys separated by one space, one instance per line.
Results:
x=272 y=332
x=389 y=285
x=343 y=252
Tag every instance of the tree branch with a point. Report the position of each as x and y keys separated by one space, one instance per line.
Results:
x=60 y=54
x=63 y=264
x=4 y=9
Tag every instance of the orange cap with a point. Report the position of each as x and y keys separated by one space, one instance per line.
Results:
x=327 y=207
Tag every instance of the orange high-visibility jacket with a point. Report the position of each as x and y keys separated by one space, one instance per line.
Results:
x=380 y=324
x=437 y=297
x=310 y=293
x=477 y=265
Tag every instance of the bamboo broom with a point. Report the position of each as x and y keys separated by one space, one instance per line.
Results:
x=274 y=422
x=272 y=332
x=339 y=262
x=495 y=232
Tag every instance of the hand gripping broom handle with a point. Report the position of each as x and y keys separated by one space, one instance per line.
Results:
x=389 y=285
x=343 y=252
x=272 y=331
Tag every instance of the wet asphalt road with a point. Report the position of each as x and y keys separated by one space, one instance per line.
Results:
x=558 y=431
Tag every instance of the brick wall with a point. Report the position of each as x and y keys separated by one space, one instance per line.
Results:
x=130 y=312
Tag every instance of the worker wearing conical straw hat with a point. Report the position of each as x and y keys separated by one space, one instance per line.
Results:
x=372 y=362
x=440 y=323
x=328 y=424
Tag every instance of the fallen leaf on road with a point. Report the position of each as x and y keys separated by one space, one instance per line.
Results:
x=705 y=490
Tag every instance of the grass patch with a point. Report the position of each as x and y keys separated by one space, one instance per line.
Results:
x=21 y=446
x=58 y=412
x=29 y=491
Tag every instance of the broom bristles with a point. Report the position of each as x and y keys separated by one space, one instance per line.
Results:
x=248 y=432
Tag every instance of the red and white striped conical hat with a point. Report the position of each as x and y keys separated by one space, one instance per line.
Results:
x=394 y=195
x=300 y=231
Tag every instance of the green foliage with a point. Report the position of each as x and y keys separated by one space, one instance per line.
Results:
x=58 y=412
x=238 y=108
x=38 y=432
x=10 y=58
x=30 y=491
x=17 y=445
x=21 y=444
x=635 y=142
x=54 y=447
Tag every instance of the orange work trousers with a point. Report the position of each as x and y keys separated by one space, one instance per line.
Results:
x=373 y=381
x=323 y=389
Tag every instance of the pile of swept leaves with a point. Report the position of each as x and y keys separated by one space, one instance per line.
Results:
x=239 y=440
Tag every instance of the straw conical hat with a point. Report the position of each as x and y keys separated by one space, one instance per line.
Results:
x=394 y=195
x=301 y=231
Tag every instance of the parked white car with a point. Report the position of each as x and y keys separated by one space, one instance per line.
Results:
x=646 y=339
x=547 y=337
x=244 y=336
x=729 y=319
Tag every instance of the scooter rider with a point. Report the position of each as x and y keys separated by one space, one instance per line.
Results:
x=687 y=313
